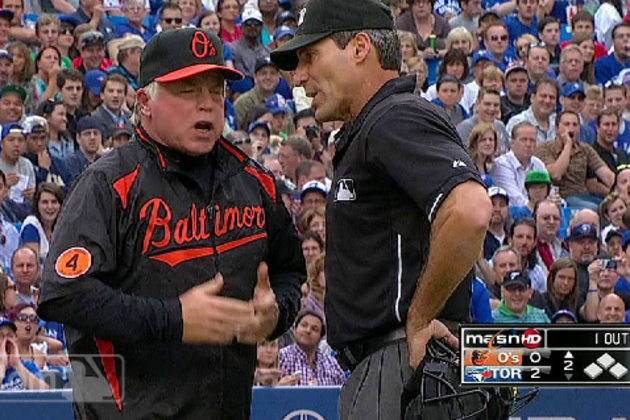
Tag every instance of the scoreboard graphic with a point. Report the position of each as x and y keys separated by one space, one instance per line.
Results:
x=545 y=356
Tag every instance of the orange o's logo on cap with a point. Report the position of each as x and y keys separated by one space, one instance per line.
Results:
x=202 y=46
x=73 y=262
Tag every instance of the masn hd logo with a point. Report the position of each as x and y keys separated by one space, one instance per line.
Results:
x=505 y=338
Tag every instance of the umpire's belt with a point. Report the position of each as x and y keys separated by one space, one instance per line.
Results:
x=350 y=356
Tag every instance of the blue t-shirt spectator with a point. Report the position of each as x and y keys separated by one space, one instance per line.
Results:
x=480 y=311
x=622 y=285
x=125 y=28
x=516 y=28
x=442 y=7
x=13 y=382
x=608 y=67
x=520 y=211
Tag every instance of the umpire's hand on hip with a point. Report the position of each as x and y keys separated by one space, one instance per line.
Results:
x=417 y=340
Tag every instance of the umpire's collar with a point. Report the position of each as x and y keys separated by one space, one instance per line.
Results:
x=405 y=84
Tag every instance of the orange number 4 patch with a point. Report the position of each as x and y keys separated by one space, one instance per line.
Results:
x=73 y=262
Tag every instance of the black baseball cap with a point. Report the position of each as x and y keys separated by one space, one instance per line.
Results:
x=182 y=53
x=516 y=277
x=321 y=18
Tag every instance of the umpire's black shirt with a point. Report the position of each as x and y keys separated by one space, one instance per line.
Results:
x=394 y=165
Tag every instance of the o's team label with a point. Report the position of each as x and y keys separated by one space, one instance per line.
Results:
x=73 y=262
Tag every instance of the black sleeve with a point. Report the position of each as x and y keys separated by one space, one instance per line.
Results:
x=420 y=151
x=287 y=267
x=83 y=293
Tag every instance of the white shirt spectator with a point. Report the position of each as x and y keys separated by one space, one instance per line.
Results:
x=468 y=98
x=542 y=136
x=509 y=173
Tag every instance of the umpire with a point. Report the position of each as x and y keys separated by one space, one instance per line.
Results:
x=407 y=212
x=158 y=255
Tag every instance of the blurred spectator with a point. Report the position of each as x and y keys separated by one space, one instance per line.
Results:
x=268 y=373
x=229 y=11
x=611 y=309
x=408 y=48
x=622 y=183
x=92 y=53
x=418 y=67
x=608 y=16
x=314 y=220
x=511 y=169
x=504 y=260
x=23 y=65
x=47 y=30
x=259 y=134
x=315 y=367
x=482 y=144
x=312 y=246
x=541 y=113
x=548 y=246
x=522 y=45
x=92 y=92
x=129 y=52
x=135 y=12
x=19 y=31
x=585 y=216
x=496 y=235
x=564 y=317
x=269 y=11
x=317 y=283
x=292 y=152
x=12 y=99
x=190 y=10
x=571 y=66
x=449 y=91
x=18 y=170
x=25 y=270
x=593 y=104
x=612 y=242
x=55 y=114
x=16 y=374
x=572 y=97
x=562 y=288
x=611 y=212
x=313 y=195
x=469 y=17
x=583 y=243
x=537 y=63
x=170 y=17
x=608 y=67
x=524 y=21
x=516 y=292
x=497 y=42
x=9 y=237
x=615 y=99
x=7 y=286
x=586 y=44
x=583 y=26
x=65 y=42
x=480 y=60
x=461 y=39
x=93 y=13
x=602 y=279
x=266 y=80
x=568 y=161
x=117 y=138
x=487 y=18
x=549 y=34
x=282 y=118
x=523 y=237
x=488 y=107
x=287 y=18
x=538 y=188
x=6 y=16
x=48 y=168
x=112 y=113
x=248 y=50
x=6 y=68
x=455 y=64
x=516 y=99
x=27 y=323
x=71 y=85
x=89 y=138
x=44 y=83
x=480 y=310
x=421 y=21
x=311 y=170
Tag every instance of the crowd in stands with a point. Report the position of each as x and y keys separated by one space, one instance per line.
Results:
x=539 y=92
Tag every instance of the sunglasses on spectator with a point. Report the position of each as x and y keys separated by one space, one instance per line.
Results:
x=173 y=20
x=537 y=45
x=239 y=142
x=496 y=38
x=27 y=318
x=252 y=22
x=66 y=31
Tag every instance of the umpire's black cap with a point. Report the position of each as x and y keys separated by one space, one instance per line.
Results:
x=181 y=53
x=322 y=18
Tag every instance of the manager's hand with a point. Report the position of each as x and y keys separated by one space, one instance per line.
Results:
x=265 y=309
x=212 y=319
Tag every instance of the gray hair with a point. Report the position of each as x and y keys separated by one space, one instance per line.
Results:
x=520 y=125
x=386 y=43
x=150 y=90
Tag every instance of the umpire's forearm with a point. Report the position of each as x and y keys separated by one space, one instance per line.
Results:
x=456 y=239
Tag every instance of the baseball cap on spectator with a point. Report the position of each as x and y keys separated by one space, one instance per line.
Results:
x=11 y=128
x=482 y=55
x=89 y=123
x=92 y=38
x=120 y=131
x=14 y=89
x=516 y=277
x=7 y=15
x=276 y=104
x=583 y=231
x=94 y=81
x=563 y=312
x=313 y=186
x=283 y=188
x=283 y=31
x=177 y=55
x=263 y=62
x=284 y=17
x=251 y=13
x=6 y=54
x=131 y=42
x=257 y=124
x=515 y=66
x=625 y=239
x=498 y=192
x=569 y=89
x=321 y=18
x=6 y=321
x=35 y=124
x=537 y=177
x=69 y=19
x=489 y=13
x=612 y=233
